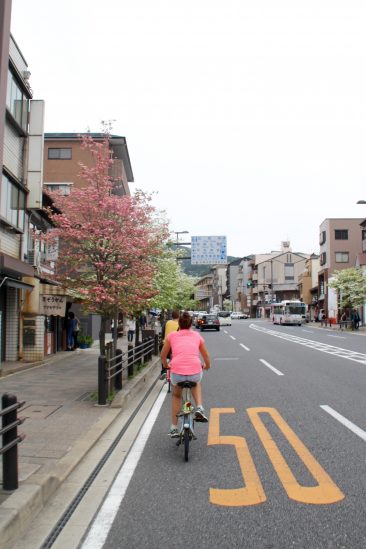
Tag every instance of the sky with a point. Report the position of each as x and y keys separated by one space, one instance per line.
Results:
x=247 y=119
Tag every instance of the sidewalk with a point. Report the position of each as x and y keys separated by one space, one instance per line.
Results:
x=63 y=423
x=335 y=328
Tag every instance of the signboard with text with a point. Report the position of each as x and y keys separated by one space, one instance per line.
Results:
x=207 y=250
x=52 y=305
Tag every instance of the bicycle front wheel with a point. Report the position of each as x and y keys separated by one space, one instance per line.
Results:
x=186 y=444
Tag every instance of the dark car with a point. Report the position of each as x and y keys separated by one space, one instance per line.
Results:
x=208 y=322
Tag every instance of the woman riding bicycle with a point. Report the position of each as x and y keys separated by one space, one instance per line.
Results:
x=185 y=365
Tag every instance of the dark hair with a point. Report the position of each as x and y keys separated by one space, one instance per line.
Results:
x=71 y=315
x=175 y=314
x=185 y=321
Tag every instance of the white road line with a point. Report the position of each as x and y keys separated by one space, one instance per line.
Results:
x=346 y=422
x=339 y=337
x=244 y=347
x=104 y=519
x=271 y=367
x=232 y=337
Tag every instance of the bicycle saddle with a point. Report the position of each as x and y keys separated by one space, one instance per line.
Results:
x=186 y=384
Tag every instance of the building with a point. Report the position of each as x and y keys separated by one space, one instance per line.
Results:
x=64 y=153
x=308 y=285
x=203 y=292
x=21 y=195
x=341 y=241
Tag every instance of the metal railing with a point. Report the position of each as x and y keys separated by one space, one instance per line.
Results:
x=10 y=439
x=112 y=365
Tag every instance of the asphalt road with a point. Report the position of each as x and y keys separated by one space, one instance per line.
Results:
x=272 y=468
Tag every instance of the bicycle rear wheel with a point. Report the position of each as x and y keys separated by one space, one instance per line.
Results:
x=186 y=444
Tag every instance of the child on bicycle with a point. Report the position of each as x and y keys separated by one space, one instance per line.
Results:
x=186 y=347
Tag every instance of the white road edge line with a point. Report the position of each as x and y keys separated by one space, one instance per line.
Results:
x=244 y=347
x=271 y=367
x=232 y=337
x=346 y=422
x=103 y=521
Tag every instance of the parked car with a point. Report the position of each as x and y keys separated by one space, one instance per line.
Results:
x=208 y=322
x=239 y=315
x=225 y=320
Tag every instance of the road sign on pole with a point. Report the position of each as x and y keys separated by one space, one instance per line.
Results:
x=207 y=250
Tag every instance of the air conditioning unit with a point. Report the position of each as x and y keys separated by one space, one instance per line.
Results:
x=34 y=258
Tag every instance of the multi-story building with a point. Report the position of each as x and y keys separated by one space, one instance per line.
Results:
x=232 y=273
x=21 y=194
x=340 y=243
x=219 y=287
x=64 y=154
x=274 y=277
x=203 y=292
x=308 y=285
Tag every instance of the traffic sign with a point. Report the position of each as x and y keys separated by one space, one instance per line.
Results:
x=208 y=250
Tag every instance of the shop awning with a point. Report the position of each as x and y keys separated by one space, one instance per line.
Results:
x=14 y=283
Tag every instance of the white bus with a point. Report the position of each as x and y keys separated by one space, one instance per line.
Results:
x=288 y=312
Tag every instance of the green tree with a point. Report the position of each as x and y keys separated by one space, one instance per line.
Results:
x=174 y=289
x=351 y=287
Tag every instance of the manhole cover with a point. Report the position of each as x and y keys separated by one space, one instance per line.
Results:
x=39 y=411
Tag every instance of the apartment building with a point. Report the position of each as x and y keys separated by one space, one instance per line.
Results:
x=64 y=154
x=341 y=241
x=308 y=285
x=203 y=292
x=21 y=193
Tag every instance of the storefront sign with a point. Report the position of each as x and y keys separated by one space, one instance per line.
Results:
x=52 y=305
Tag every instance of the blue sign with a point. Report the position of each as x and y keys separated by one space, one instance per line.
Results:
x=208 y=250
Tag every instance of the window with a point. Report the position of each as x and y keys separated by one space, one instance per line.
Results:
x=60 y=154
x=17 y=102
x=342 y=257
x=322 y=237
x=12 y=205
x=341 y=234
x=323 y=258
x=289 y=271
x=63 y=188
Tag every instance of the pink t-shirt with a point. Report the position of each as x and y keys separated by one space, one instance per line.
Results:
x=185 y=352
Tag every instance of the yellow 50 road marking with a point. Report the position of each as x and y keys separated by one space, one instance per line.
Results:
x=252 y=493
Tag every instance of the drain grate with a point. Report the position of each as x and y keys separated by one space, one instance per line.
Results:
x=84 y=396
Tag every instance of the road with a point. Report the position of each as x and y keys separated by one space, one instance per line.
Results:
x=280 y=464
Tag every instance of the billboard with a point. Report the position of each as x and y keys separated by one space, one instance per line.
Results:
x=208 y=250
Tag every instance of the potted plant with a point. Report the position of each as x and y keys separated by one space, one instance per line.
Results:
x=85 y=341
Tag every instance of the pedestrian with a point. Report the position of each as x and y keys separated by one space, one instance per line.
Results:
x=76 y=333
x=71 y=325
x=143 y=321
x=355 y=317
x=131 y=328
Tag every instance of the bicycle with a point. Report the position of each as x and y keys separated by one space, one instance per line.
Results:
x=186 y=431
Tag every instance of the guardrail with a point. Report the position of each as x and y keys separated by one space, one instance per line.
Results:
x=10 y=439
x=112 y=365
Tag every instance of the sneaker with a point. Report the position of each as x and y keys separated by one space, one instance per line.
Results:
x=163 y=375
x=199 y=415
x=173 y=433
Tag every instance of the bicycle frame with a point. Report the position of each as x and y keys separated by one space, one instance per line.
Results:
x=186 y=431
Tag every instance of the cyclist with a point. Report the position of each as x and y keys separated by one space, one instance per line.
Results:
x=169 y=326
x=186 y=346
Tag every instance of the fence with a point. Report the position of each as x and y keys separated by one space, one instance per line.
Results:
x=10 y=440
x=112 y=365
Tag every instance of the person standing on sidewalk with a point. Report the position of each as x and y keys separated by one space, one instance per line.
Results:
x=131 y=328
x=71 y=325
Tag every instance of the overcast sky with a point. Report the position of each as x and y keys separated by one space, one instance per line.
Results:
x=247 y=117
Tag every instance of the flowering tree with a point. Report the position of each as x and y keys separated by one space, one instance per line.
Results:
x=174 y=289
x=351 y=287
x=108 y=243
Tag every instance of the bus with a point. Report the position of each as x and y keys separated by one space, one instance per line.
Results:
x=288 y=312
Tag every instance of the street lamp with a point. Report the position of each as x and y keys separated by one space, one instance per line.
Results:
x=177 y=233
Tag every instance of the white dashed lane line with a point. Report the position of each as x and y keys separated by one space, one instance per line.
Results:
x=346 y=422
x=234 y=338
x=244 y=347
x=271 y=367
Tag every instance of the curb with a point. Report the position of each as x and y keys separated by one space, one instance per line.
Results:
x=17 y=511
